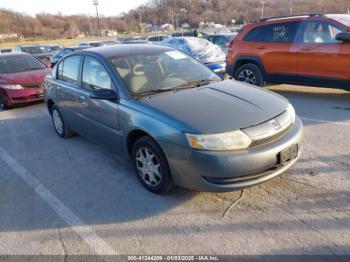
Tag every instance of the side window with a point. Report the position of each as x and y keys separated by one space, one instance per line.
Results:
x=275 y=33
x=254 y=35
x=68 y=70
x=320 y=32
x=281 y=33
x=95 y=75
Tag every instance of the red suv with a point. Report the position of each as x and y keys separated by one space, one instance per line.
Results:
x=311 y=49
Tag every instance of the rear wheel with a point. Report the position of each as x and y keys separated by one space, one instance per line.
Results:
x=151 y=165
x=250 y=73
x=60 y=127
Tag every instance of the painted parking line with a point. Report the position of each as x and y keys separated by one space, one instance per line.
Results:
x=98 y=245
x=324 y=121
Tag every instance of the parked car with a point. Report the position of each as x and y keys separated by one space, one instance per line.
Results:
x=52 y=48
x=194 y=33
x=111 y=42
x=35 y=50
x=222 y=31
x=98 y=43
x=209 y=54
x=91 y=44
x=136 y=41
x=156 y=38
x=222 y=40
x=5 y=50
x=65 y=51
x=310 y=49
x=178 y=121
x=21 y=79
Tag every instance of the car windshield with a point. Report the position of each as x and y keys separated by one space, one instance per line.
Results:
x=33 y=49
x=159 y=72
x=14 y=64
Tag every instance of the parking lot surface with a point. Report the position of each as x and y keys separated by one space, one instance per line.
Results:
x=73 y=197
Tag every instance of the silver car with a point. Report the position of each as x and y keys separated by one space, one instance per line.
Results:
x=178 y=122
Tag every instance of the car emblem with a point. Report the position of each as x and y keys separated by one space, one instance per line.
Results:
x=275 y=124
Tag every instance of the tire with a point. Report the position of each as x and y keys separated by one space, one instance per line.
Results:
x=251 y=74
x=3 y=105
x=59 y=124
x=151 y=166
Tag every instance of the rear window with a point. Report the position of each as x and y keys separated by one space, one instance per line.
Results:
x=278 y=33
x=14 y=64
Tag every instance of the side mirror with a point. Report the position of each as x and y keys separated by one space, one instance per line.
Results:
x=344 y=37
x=104 y=94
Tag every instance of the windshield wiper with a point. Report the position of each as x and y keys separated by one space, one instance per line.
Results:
x=189 y=84
x=195 y=83
x=156 y=91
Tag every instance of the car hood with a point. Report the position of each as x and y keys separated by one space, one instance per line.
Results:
x=21 y=78
x=220 y=107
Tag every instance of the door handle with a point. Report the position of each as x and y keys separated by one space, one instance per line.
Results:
x=82 y=100
x=306 y=49
x=261 y=47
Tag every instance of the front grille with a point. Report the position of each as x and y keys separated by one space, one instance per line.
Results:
x=270 y=130
x=268 y=140
x=32 y=85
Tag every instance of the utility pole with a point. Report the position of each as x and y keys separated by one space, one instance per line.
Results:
x=140 y=14
x=262 y=8
x=95 y=3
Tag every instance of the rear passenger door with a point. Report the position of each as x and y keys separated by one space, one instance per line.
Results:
x=273 y=44
x=68 y=90
x=319 y=54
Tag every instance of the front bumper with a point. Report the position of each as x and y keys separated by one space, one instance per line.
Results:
x=23 y=96
x=233 y=170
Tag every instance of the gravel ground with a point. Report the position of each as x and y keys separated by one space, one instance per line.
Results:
x=73 y=197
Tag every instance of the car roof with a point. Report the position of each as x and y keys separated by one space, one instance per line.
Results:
x=116 y=51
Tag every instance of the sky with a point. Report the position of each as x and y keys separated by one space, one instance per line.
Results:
x=69 y=7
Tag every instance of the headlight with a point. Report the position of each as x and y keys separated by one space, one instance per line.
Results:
x=220 y=142
x=291 y=111
x=12 y=86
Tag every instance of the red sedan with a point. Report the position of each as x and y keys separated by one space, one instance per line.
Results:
x=21 y=80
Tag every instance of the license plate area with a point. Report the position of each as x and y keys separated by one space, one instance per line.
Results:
x=288 y=154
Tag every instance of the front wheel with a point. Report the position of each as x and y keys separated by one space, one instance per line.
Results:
x=151 y=166
x=250 y=73
x=3 y=105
